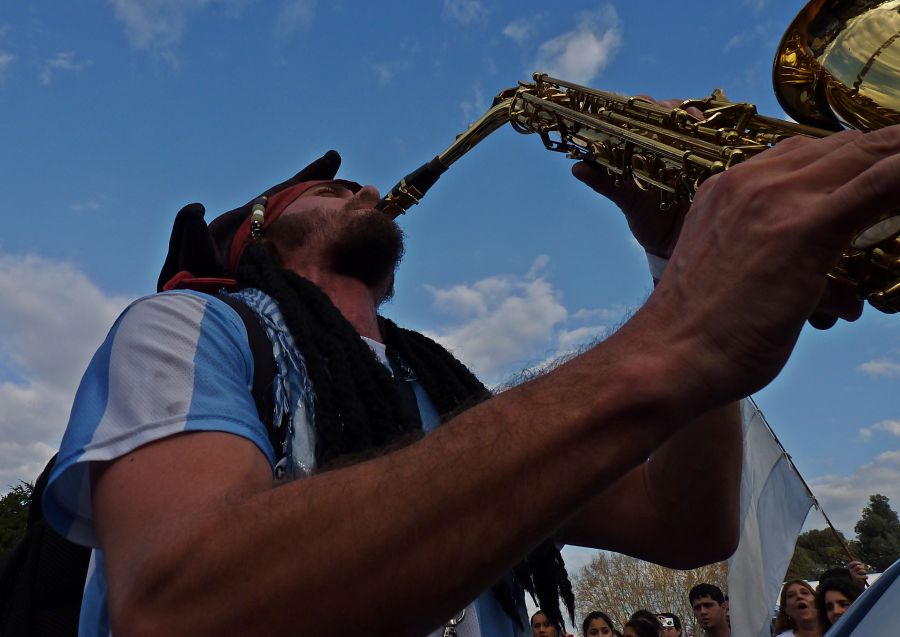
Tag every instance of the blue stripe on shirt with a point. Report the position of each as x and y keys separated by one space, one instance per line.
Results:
x=66 y=488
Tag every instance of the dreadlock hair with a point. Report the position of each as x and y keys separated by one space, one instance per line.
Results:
x=357 y=402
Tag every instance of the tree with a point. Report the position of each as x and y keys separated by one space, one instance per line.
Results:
x=878 y=533
x=618 y=585
x=815 y=552
x=14 y=515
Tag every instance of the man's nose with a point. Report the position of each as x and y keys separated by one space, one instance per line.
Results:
x=367 y=196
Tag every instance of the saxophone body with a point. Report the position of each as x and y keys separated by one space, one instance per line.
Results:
x=672 y=151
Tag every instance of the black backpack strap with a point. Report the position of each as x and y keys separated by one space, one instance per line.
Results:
x=42 y=582
x=264 y=371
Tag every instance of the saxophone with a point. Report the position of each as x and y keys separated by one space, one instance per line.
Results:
x=673 y=152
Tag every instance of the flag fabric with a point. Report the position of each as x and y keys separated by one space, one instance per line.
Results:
x=774 y=505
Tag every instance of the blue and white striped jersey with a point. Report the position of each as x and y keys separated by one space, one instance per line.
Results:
x=178 y=362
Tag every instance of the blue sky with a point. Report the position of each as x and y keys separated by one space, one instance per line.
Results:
x=114 y=114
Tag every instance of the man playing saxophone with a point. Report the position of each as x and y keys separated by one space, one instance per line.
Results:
x=167 y=471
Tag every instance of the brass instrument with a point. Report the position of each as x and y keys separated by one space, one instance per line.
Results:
x=837 y=65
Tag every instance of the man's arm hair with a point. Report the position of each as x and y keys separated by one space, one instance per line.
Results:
x=688 y=488
x=197 y=540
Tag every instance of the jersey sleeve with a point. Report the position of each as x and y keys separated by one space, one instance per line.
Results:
x=174 y=362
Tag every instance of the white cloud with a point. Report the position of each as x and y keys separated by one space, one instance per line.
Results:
x=613 y=314
x=505 y=322
x=570 y=340
x=158 y=25
x=464 y=11
x=843 y=496
x=60 y=62
x=6 y=60
x=474 y=106
x=891 y=427
x=757 y=33
x=520 y=30
x=294 y=15
x=383 y=74
x=386 y=71
x=51 y=320
x=155 y=24
x=880 y=367
x=582 y=54
x=756 y=5
x=540 y=264
x=85 y=206
x=517 y=323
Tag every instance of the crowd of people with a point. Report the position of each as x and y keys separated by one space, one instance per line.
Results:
x=802 y=611
x=709 y=604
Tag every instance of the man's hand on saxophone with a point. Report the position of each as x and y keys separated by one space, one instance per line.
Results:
x=657 y=230
x=751 y=259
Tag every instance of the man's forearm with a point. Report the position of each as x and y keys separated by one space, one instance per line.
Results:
x=652 y=511
x=696 y=478
x=428 y=527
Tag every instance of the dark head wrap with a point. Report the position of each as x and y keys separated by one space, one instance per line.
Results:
x=205 y=257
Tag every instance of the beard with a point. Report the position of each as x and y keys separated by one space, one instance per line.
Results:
x=365 y=245
x=369 y=248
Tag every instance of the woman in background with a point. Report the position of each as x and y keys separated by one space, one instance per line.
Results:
x=597 y=624
x=833 y=597
x=797 y=615
x=541 y=626
x=640 y=628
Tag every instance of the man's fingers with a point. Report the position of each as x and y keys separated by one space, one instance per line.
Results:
x=597 y=178
x=874 y=164
x=807 y=149
x=822 y=320
x=839 y=301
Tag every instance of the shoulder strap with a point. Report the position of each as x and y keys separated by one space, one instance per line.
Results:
x=42 y=581
x=264 y=370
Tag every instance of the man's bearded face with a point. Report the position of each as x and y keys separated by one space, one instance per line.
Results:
x=357 y=242
x=369 y=248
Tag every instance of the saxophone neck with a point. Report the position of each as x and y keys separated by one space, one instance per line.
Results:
x=410 y=190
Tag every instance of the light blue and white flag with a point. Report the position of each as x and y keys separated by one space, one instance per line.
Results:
x=774 y=505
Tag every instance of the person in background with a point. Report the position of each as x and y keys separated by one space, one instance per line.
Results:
x=797 y=616
x=597 y=624
x=647 y=616
x=854 y=572
x=833 y=598
x=710 y=609
x=671 y=625
x=542 y=626
x=640 y=628
x=644 y=615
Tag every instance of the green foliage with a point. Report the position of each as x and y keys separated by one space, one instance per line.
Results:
x=14 y=515
x=816 y=551
x=878 y=533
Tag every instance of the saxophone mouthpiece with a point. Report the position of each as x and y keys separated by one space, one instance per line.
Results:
x=410 y=190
